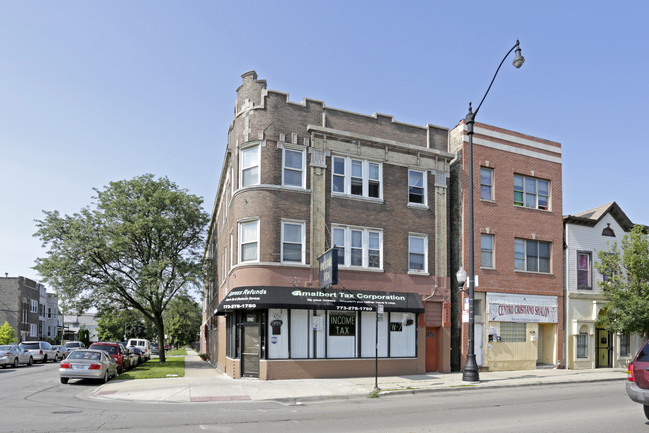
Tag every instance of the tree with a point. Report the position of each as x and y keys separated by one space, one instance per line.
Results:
x=626 y=271
x=137 y=246
x=7 y=334
x=183 y=320
x=120 y=325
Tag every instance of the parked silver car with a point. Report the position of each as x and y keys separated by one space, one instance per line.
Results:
x=11 y=355
x=61 y=352
x=74 y=345
x=41 y=350
x=88 y=364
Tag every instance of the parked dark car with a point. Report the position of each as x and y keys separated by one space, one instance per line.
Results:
x=116 y=351
x=139 y=355
x=155 y=349
x=637 y=386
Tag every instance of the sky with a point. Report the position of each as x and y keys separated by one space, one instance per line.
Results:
x=98 y=91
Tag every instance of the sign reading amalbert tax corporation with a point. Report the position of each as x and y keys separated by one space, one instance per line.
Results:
x=507 y=307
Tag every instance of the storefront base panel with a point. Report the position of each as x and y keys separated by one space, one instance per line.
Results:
x=338 y=368
x=512 y=365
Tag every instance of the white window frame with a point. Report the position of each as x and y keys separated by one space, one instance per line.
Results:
x=302 y=242
x=424 y=238
x=350 y=232
x=424 y=187
x=256 y=165
x=581 y=345
x=34 y=306
x=348 y=162
x=536 y=194
x=33 y=330
x=301 y=170
x=525 y=268
x=489 y=251
x=241 y=242
x=489 y=185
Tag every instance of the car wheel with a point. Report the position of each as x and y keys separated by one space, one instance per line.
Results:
x=31 y=361
x=44 y=359
x=646 y=410
x=64 y=380
x=120 y=370
x=15 y=362
x=105 y=379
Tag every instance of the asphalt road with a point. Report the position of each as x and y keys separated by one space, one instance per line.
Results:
x=33 y=400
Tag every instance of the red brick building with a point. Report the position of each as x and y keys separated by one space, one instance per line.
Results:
x=299 y=179
x=518 y=243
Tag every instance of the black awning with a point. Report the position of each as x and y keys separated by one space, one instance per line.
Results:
x=264 y=297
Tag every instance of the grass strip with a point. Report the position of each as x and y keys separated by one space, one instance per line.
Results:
x=173 y=367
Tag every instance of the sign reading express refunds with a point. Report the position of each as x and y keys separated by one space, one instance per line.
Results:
x=342 y=325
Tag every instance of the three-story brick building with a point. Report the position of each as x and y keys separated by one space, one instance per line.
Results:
x=518 y=248
x=299 y=179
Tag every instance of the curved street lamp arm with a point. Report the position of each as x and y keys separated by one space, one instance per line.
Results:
x=494 y=78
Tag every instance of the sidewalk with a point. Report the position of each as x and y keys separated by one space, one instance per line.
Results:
x=203 y=383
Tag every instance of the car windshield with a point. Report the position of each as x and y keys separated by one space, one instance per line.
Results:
x=82 y=354
x=30 y=345
x=72 y=344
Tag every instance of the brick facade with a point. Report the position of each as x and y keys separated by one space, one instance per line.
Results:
x=507 y=153
x=269 y=120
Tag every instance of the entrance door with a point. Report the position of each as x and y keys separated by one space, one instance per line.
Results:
x=250 y=350
x=604 y=348
x=432 y=341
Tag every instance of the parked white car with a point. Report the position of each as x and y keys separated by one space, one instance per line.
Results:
x=143 y=344
x=41 y=350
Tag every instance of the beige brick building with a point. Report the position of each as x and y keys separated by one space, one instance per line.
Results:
x=299 y=179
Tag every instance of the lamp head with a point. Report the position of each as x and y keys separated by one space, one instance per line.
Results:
x=461 y=276
x=518 y=59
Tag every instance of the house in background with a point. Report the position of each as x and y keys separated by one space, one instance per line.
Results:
x=585 y=235
x=74 y=323
x=299 y=179
x=518 y=247
x=24 y=305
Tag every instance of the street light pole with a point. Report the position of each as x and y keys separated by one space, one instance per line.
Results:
x=470 y=372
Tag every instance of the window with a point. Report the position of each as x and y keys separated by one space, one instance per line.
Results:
x=532 y=256
x=625 y=345
x=292 y=242
x=49 y=312
x=356 y=177
x=249 y=166
x=293 y=173
x=486 y=183
x=487 y=251
x=512 y=332
x=34 y=306
x=582 y=345
x=248 y=241
x=584 y=270
x=358 y=246
x=417 y=187
x=33 y=330
x=531 y=192
x=417 y=253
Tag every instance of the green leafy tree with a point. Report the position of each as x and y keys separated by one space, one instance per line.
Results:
x=7 y=334
x=183 y=320
x=114 y=325
x=626 y=271
x=138 y=246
